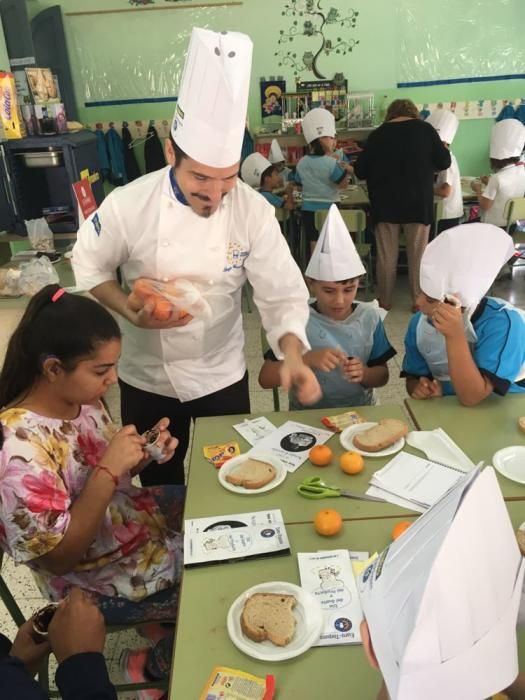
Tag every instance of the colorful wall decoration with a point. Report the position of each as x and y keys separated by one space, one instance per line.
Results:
x=328 y=31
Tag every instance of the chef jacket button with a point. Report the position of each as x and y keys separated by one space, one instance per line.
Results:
x=210 y=281
x=165 y=243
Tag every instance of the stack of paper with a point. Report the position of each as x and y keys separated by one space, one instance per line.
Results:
x=234 y=537
x=291 y=443
x=328 y=576
x=412 y=482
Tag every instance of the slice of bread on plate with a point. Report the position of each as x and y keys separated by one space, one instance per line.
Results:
x=252 y=474
x=383 y=435
x=269 y=616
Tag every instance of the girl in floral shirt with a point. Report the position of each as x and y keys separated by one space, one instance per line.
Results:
x=68 y=508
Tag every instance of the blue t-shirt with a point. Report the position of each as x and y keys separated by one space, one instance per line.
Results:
x=274 y=199
x=499 y=352
x=361 y=335
x=319 y=176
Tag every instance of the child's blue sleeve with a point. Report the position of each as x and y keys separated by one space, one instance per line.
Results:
x=295 y=177
x=337 y=173
x=273 y=199
x=381 y=351
x=414 y=364
x=499 y=353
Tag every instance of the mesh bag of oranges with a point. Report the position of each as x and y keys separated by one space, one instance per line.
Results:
x=177 y=298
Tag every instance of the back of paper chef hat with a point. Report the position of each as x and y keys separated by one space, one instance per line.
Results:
x=318 y=122
x=210 y=116
x=442 y=601
x=445 y=123
x=464 y=261
x=507 y=139
x=252 y=169
x=276 y=154
x=335 y=257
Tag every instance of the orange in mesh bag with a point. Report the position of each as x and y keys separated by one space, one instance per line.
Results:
x=179 y=298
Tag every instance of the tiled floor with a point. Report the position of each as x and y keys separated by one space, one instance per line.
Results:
x=19 y=578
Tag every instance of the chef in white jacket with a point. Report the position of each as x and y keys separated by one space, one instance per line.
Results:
x=197 y=221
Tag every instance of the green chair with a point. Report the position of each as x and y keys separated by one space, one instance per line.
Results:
x=355 y=220
x=275 y=391
x=18 y=618
x=283 y=217
x=438 y=214
x=515 y=211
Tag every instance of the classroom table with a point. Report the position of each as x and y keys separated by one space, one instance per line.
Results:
x=66 y=279
x=205 y=494
x=202 y=641
x=480 y=430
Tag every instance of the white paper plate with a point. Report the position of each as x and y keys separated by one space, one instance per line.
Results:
x=232 y=464
x=510 y=462
x=347 y=441
x=309 y=623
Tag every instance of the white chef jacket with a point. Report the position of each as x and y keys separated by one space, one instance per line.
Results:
x=453 y=204
x=147 y=232
x=507 y=183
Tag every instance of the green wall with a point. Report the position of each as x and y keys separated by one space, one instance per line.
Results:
x=140 y=54
x=4 y=59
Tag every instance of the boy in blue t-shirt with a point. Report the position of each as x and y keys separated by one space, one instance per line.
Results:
x=462 y=342
x=259 y=173
x=349 y=346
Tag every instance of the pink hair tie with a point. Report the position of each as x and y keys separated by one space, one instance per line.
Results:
x=59 y=293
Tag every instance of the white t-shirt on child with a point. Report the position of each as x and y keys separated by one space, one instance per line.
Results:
x=507 y=183
x=453 y=204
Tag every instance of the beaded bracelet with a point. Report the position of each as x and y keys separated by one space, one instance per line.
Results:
x=114 y=477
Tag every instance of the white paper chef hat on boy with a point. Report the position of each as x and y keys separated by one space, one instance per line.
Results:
x=335 y=257
x=463 y=261
x=210 y=116
x=442 y=601
x=276 y=155
x=318 y=122
x=445 y=123
x=253 y=167
x=507 y=139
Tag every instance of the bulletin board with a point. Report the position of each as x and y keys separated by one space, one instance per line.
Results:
x=454 y=40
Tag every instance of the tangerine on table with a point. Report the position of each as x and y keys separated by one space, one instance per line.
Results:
x=351 y=463
x=399 y=528
x=328 y=522
x=320 y=455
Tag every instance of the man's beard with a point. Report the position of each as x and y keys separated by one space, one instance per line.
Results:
x=207 y=211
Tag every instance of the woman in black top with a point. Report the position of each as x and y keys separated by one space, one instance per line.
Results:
x=398 y=163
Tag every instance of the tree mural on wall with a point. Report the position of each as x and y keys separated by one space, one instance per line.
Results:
x=311 y=20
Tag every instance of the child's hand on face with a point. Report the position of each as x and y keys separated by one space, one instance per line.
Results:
x=427 y=389
x=325 y=359
x=448 y=320
x=354 y=370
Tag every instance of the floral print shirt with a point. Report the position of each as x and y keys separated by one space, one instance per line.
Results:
x=44 y=464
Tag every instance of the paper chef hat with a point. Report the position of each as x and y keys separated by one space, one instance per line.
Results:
x=464 y=261
x=318 y=122
x=276 y=155
x=507 y=139
x=252 y=169
x=442 y=601
x=445 y=123
x=335 y=257
x=210 y=116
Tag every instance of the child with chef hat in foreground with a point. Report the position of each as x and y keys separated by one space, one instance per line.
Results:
x=461 y=341
x=350 y=349
x=320 y=174
x=440 y=604
x=448 y=182
x=260 y=174
x=508 y=180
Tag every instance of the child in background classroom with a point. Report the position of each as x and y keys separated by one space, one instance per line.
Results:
x=350 y=349
x=260 y=174
x=448 y=182
x=462 y=342
x=276 y=157
x=319 y=173
x=508 y=179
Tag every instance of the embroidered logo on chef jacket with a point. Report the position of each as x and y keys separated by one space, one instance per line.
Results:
x=96 y=224
x=235 y=257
